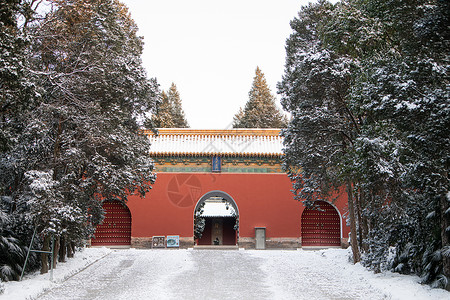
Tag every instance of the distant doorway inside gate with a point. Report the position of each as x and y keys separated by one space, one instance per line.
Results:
x=216 y=221
x=115 y=229
x=321 y=225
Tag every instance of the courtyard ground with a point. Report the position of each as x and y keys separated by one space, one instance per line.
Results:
x=101 y=273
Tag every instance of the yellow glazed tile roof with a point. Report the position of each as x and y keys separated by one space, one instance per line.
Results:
x=175 y=141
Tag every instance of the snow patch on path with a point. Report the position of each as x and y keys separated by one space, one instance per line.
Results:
x=35 y=284
x=125 y=274
x=329 y=274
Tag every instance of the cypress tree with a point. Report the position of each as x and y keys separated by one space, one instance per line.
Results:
x=178 y=116
x=163 y=117
x=260 y=110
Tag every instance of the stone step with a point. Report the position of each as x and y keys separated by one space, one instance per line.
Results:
x=216 y=247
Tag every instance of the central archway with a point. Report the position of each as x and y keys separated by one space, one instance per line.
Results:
x=216 y=219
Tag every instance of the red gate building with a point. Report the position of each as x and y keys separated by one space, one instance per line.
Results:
x=227 y=185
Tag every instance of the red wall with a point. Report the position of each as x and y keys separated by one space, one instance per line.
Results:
x=263 y=200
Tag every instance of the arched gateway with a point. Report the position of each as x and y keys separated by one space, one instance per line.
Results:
x=242 y=167
x=216 y=220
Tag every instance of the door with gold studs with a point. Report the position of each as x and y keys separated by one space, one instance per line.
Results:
x=321 y=226
x=116 y=227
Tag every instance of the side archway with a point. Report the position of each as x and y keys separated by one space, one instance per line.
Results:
x=216 y=219
x=115 y=229
x=321 y=225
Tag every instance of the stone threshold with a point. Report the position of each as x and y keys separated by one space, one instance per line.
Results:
x=216 y=247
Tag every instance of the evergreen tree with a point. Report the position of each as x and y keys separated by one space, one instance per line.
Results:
x=391 y=125
x=169 y=112
x=18 y=94
x=81 y=144
x=178 y=116
x=163 y=117
x=17 y=91
x=405 y=84
x=322 y=132
x=260 y=110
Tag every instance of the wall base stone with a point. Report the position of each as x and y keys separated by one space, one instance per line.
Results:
x=146 y=242
x=271 y=243
x=246 y=242
x=283 y=243
x=243 y=242
x=186 y=242
x=141 y=242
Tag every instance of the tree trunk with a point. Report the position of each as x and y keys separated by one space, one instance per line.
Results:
x=62 y=250
x=357 y=197
x=445 y=239
x=72 y=245
x=70 y=249
x=56 y=251
x=364 y=225
x=44 y=256
x=353 y=237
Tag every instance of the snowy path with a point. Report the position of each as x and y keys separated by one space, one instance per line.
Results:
x=212 y=274
x=311 y=275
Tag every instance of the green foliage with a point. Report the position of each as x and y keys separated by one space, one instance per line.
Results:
x=163 y=115
x=178 y=118
x=260 y=110
x=169 y=113
x=366 y=82
x=76 y=98
x=314 y=90
x=17 y=91
x=199 y=222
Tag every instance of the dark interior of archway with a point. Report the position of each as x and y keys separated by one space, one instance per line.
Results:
x=220 y=228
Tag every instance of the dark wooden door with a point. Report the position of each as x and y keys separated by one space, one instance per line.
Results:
x=116 y=227
x=321 y=227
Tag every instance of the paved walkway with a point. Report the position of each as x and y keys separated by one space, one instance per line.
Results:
x=213 y=274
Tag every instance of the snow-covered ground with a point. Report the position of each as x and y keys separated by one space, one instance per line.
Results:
x=34 y=284
x=100 y=273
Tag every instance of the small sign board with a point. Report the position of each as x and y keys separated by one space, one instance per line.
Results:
x=173 y=241
x=159 y=242
x=216 y=164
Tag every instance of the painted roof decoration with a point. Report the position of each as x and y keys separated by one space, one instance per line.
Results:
x=227 y=142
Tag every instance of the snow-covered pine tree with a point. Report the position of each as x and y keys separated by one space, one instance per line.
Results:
x=323 y=128
x=404 y=83
x=398 y=96
x=260 y=110
x=373 y=162
x=84 y=136
x=18 y=94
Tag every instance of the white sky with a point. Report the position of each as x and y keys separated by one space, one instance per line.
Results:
x=210 y=50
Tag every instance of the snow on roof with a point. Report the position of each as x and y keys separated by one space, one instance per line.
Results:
x=217 y=209
x=217 y=142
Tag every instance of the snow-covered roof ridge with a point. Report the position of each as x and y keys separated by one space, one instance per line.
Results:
x=181 y=141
